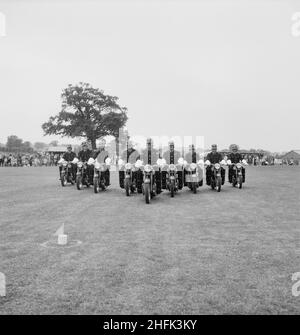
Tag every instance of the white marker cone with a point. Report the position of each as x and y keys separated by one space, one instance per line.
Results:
x=60 y=230
x=2 y=285
x=62 y=239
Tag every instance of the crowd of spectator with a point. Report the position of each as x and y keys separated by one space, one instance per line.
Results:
x=51 y=159
x=25 y=159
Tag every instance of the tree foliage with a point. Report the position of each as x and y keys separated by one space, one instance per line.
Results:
x=16 y=144
x=87 y=112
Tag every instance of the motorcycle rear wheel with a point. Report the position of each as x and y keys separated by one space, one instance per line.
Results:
x=96 y=185
x=102 y=185
x=79 y=183
x=240 y=182
x=233 y=181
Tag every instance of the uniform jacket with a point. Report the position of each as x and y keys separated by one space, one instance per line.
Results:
x=192 y=157
x=69 y=156
x=130 y=156
x=214 y=157
x=235 y=157
x=171 y=157
x=100 y=155
x=84 y=156
x=149 y=156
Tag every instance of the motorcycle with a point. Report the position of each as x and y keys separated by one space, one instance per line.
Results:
x=172 y=183
x=237 y=174
x=99 y=179
x=66 y=172
x=192 y=176
x=216 y=177
x=149 y=187
x=82 y=177
x=129 y=180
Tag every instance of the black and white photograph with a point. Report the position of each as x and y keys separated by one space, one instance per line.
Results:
x=149 y=160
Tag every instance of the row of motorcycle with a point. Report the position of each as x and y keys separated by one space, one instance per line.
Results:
x=149 y=179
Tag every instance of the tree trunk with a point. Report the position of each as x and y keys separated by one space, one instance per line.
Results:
x=117 y=153
x=93 y=143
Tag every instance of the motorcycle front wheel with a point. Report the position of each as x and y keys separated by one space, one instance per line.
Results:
x=194 y=188
x=219 y=183
x=127 y=187
x=63 y=180
x=96 y=185
x=147 y=193
x=172 y=188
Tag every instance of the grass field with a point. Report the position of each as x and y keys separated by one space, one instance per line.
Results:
x=211 y=253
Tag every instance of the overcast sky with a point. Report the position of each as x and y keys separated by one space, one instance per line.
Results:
x=225 y=70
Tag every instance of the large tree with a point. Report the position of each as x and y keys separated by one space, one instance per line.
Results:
x=14 y=143
x=86 y=112
x=27 y=146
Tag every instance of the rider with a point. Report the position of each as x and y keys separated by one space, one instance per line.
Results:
x=235 y=157
x=69 y=156
x=171 y=156
x=101 y=154
x=150 y=156
x=191 y=157
x=84 y=155
x=130 y=155
x=214 y=157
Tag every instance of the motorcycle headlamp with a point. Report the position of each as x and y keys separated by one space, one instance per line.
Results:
x=172 y=167
x=97 y=165
x=64 y=163
x=193 y=166
x=128 y=166
x=161 y=162
x=239 y=165
x=217 y=166
x=80 y=164
x=108 y=161
x=138 y=164
x=148 y=168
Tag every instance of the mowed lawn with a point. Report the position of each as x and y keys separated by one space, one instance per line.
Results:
x=211 y=253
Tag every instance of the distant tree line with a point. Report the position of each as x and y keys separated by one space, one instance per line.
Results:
x=16 y=144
